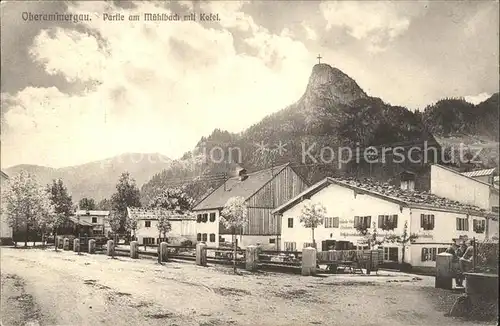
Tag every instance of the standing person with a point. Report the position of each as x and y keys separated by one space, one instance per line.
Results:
x=460 y=252
x=453 y=250
x=465 y=261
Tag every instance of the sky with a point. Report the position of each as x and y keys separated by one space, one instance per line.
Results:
x=75 y=92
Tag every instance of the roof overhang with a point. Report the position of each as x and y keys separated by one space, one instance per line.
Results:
x=308 y=193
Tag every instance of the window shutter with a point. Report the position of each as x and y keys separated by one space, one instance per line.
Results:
x=432 y=222
x=421 y=220
x=423 y=254
x=335 y=222
x=395 y=221
x=458 y=223
x=381 y=221
x=467 y=224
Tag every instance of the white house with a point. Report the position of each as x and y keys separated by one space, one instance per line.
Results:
x=452 y=185
x=98 y=219
x=350 y=204
x=183 y=226
x=263 y=191
x=5 y=229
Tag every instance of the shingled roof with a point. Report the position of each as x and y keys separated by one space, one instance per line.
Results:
x=92 y=213
x=234 y=187
x=152 y=214
x=479 y=173
x=385 y=191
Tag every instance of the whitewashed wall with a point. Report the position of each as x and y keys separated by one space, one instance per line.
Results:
x=208 y=227
x=451 y=185
x=180 y=228
x=343 y=203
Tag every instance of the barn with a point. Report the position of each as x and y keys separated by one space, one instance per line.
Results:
x=264 y=191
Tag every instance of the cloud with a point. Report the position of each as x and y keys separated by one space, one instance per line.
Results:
x=476 y=99
x=187 y=4
x=153 y=87
x=378 y=22
x=310 y=33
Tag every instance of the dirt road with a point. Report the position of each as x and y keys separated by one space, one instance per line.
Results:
x=62 y=288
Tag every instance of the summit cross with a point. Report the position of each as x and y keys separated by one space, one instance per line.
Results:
x=319 y=58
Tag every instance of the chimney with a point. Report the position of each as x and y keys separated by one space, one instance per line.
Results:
x=242 y=174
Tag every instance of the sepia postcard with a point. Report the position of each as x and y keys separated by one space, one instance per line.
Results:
x=249 y=163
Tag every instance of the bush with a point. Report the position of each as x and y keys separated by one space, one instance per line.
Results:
x=487 y=257
x=187 y=243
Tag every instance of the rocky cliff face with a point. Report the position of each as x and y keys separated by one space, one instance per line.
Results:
x=328 y=85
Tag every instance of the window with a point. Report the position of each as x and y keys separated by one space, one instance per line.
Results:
x=331 y=222
x=427 y=222
x=198 y=218
x=94 y=219
x=160 y=240
x=204 y=237
x=362 y=221
x=212 y=237
x=387 y=222
x=290 y=246
x=221 y=239
x=391 y=253
x=440 y=250
x=272 y=240
x=462 y=224
x=408 y=185
x=147 y=224
x=308 y=244
x=198 y=237
x=429 y=254
x=212 y=217
x=148 y=241
x=204 y=219
x=290 y=222
x=495 y=209
x=478 y=225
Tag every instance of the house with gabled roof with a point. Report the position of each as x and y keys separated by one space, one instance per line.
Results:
x=464 y=187
x=183 y=226
x=485 y=175
x=99 y=220
x=355 y=205
x=263 y=190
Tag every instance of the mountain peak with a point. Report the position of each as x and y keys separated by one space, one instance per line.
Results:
x=332 y=84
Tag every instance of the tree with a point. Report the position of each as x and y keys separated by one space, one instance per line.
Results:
x=25 y=203
x=63 y=203
x=127 y=195
x=104 y=205
x=53 y=222
x=164 y=226
x=87 y=204
x=173 y=198
x=404 y=240
x=312 y=216
x=234 y=216
x=115 y=224
x=371 y=238
x=132 y=224
x=63 y=206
